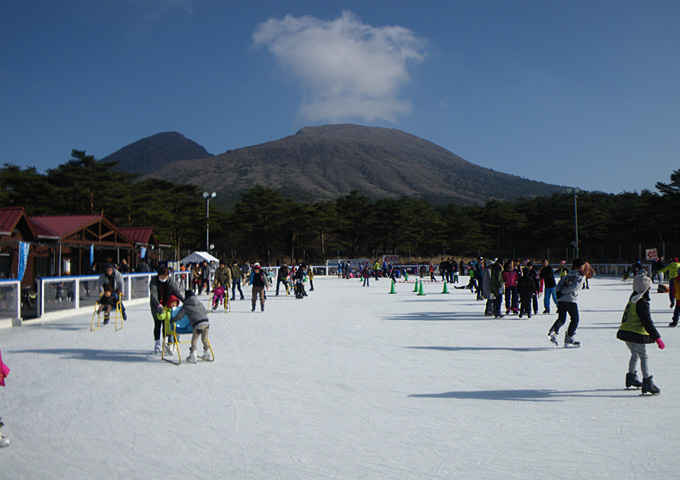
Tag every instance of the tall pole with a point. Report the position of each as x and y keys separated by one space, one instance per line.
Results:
x=576 y=190
x=207 y=196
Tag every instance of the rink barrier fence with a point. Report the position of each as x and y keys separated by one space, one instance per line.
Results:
x=61 y=296
x=10 y=303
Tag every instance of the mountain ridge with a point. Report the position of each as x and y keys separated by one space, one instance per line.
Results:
x=329 y=161
x=155 y=152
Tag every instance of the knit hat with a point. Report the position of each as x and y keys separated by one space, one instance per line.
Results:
x=641 y=283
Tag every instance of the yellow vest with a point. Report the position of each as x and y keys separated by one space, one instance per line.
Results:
x=631 y=320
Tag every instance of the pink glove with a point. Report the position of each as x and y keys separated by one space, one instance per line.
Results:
x=660 y=343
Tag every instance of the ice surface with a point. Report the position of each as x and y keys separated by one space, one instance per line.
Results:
x=351 y=382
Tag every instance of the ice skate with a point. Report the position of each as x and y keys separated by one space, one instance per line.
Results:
x=552 y=336
x=632 y=380
x=4 y=441
x=192 y=357
x=157 y=347
x=106 y=319
x=569 y=342
x=649 y=387
x=673 y=324
x=207 y=356
x=169 y=350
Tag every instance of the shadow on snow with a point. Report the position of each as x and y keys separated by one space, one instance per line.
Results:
x=527 y=395
x=96 y=355
x=473 y=349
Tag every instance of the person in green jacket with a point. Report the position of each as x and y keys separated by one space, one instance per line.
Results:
x=637 y=330
x=672 y=269
x=236 y=276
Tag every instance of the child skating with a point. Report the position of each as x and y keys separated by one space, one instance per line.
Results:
x=637 y=330
x=4 y=371
x=198 y=317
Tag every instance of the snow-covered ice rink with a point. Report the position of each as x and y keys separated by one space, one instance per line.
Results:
x=350 y=382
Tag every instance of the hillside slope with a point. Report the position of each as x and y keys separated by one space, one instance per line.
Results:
x=326 y=162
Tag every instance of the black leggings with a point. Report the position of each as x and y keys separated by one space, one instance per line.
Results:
x=157 y=327
x=562 y=309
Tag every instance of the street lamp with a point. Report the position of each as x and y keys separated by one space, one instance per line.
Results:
x=575 y=191
x=208 y=196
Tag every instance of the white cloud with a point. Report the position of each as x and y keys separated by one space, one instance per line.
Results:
x=347 y=68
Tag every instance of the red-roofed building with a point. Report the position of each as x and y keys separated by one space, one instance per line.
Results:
x=144 y=238
x=141 y=236
x=72 y=236
x=15 y=227
x=60 y=245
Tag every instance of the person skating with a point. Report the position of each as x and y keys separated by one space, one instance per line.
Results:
x=107 y=302
x=548 y=276
x=4 y=371
x=676 y=311
x=526 y=288
x=236 y=281
x=198 y=317
x=637 y=330
x=672 y=269
x=258 y=279
x=223 y=276
x=112 y=280
x=161 y=288
x=496 y=287
x=567 y=293
x=282 y=277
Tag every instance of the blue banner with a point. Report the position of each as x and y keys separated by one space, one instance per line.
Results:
x=23 y=259
x=91 y=255
x=143 y=254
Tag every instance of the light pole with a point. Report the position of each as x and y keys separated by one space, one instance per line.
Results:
x=575 y=191
x=207 y=196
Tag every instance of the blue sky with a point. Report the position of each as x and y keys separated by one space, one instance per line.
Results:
x=577 y=93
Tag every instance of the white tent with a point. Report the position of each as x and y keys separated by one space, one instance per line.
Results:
x=198 y=257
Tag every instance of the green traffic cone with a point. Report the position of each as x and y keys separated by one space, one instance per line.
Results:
x=392 y=290
x=415 y=287
x=420 y=290
x=446 y=288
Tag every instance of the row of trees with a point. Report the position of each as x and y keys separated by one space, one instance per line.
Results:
x=266 y=226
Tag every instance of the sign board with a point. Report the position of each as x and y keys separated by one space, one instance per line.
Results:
x=391 y=258
x=651 y=254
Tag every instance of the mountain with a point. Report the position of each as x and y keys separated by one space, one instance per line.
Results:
x=155 y=152
x=327 y=162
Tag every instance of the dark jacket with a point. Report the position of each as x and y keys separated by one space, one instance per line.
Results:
x=258 y=279
x=548 y=276
x=159 y=293
x=526 y=285
x=496 y=280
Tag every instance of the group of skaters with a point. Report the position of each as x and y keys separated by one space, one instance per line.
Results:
x=522 y=285
x=166 y=294
x=294 y=278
